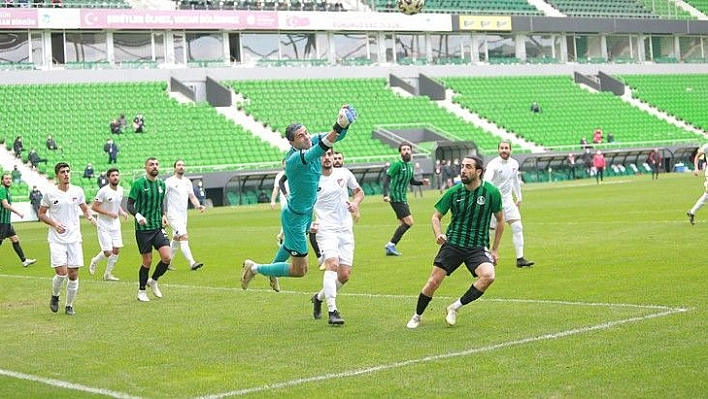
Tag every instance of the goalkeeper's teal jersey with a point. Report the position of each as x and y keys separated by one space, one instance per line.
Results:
x=472 y=212
x=401 y=174
x=303 y=169
x=148 y=196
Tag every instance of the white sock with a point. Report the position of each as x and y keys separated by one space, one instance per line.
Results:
x=111 y=263
x=456 y=305
x=57 y=283
x=329 y=286
x=71 y=288
x=517 y=237
x=174 y=246
x=184 y=246
x=98 y=257
x=699 y=204
x=320 y=295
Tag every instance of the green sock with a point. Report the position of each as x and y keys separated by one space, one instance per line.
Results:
x=278 y=269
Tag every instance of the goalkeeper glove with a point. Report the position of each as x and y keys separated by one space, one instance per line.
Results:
x=347 y=115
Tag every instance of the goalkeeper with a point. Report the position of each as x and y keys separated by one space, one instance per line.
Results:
x=303 y=166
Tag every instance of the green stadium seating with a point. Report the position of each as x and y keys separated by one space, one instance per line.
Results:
x=683 y=96
x=700 y=5
x=315 y=102
x=568 y=111
x=481 y=7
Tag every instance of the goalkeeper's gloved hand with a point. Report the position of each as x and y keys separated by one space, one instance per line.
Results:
x=347 y=115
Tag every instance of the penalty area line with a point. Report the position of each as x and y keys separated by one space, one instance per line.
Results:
x=66 y=385
x=433 y=358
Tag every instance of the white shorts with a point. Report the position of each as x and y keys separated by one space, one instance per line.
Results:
x=511 y=212
x=339 y=244
x=109 y=239
x=178 y=226
x=70 y=255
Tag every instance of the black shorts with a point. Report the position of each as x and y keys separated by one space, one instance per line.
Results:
x=450 y=257
x=149 y=239
x=401 y=208
x=6 y=231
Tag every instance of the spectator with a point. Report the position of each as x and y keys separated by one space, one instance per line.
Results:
x=655 y=162
x=263 y=197
x=18 y=147
x=598 y=162
x=123 y=122
x=16 y=175
x=570 y=161
x=102 y=180
x=584 y=143
x=587 y=161
x=138 y=123
x=535 y=108
x=51 y=143
x=438 y=175
x=200 y=193
x=88 y=171
x=610 y=137
x=35 y=198
x=111 y=148
x=35 y=159
x=597 y=136
x=116 y=127
x=417 y=175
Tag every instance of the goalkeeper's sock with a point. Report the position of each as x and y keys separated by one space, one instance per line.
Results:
x=277 y=269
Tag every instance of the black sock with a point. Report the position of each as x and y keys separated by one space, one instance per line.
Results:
x=18 y=249
x=423 y=301
x=471 y=294
x=400 y=231
x=313 y=242
x=143 y=276
x=160 y=269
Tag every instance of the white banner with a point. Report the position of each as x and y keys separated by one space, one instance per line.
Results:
x=59 y=18
x=364 y=21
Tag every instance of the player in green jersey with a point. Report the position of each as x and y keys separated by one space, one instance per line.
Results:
x=145 y=202
x=472 y=205
x=6 y=211
x=395 y=187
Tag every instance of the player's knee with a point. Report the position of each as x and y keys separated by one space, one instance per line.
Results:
x=517 y=227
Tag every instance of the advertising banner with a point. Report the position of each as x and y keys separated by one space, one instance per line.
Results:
x=18 y=18
x=178 y=19
x=485 y=23
x=364 y=21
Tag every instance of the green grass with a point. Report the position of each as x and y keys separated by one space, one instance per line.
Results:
x=614 y=307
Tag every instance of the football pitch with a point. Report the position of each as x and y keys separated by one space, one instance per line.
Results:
x=614 y=307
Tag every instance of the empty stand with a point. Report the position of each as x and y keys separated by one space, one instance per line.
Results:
x=568 y=112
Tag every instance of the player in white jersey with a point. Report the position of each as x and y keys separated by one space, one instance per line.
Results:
x=179 y=190
x=280 y=191
x=336 y=215
x=503 y=172
x=60 y=210
x=701 y=153
x=107 y=205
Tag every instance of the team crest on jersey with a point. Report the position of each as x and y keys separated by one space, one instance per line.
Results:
x=340 y=182
x=159 y=190
x=481 y=201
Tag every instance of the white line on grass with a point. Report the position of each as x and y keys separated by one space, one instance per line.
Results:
x=373 y=295
x=66 y=385
x=433 y=358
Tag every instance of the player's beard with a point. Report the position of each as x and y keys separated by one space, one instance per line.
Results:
x=406 y=157
x=154 y=172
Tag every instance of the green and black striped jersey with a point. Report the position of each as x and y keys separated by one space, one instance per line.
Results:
x=401 y=174
x=472 y=211
x=148 y=196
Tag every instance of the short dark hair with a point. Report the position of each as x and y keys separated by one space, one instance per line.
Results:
x=478 y=162
x=150 y=159
x=111 y=170
x=174 y=165
x=291 y=129
x=405 y=144
x=60 y=166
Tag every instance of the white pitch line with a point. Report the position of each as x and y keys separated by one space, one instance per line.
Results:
x=67 y=385
x=373 y=295
x=433 y=358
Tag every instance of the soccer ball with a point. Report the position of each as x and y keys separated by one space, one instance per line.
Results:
x=410 y=7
